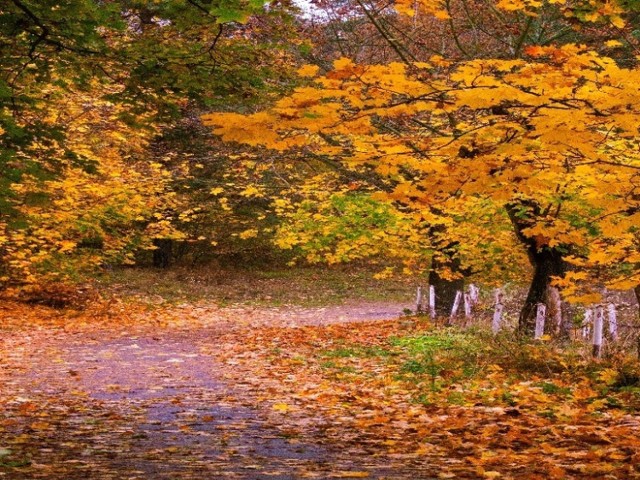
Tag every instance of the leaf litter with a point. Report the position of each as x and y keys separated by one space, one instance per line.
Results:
x=200 y=391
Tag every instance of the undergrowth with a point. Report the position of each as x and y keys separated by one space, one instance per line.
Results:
x=473 y=367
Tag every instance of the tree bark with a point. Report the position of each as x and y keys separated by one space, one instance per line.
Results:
x=637 y=292
x=547 y=262
x=567 y=325
x=163 y=254
x=445 y=288
x=554 y=311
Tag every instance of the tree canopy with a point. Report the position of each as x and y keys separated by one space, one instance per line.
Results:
x=86 y=89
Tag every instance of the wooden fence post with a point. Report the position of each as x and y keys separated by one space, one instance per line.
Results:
x=598 y=322
x=456 y=306
x=541 y=311
x=497 y=313
x=432 y=302
x=613 y=321
x=586 y=322
x=419 y=300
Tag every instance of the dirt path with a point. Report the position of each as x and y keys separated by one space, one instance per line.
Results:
x=150 y=403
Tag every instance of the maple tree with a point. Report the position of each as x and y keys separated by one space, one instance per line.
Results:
x=432 y=160
x=550 y=138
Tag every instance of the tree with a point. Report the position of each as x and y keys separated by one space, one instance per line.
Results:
x=85 y=88
x=549 y=138
x=374 y=33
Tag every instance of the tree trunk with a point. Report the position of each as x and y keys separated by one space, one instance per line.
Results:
x=163 y=254
x=559 y=315
x=553 y=302
x=547 y=263
x=445 y=288
x=567 y=325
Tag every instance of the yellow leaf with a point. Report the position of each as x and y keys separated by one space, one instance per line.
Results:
x=66 y=245
x=343 y=63
x=442 y=15
x=308 y=70
x=618 y=21
x=40 y=425
x=251 y=191
x=613 y=43
x=608 y=376
x=281 y=407
x=492 y=474
x=251 y=233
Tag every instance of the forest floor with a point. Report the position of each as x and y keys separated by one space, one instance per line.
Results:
x=197 y=389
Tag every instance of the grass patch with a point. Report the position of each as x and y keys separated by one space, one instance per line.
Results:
x=18 y=463
x=338 y=368
x=357 y=351
x=553 y=389
x=438 y=367
x=441 y=357
x=302 y=286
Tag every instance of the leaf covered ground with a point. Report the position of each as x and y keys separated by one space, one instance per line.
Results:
x=203 y=391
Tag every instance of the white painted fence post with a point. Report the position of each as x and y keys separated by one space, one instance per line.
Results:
x=419 y=300
x=613 y=321
x=497 y=313
x=598 y=322
x=467 y=306
x=586 y=322
x=456 y=307
x=474 y=294
x=541 y=311
x=432 y=302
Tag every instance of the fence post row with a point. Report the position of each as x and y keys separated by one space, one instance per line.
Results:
x=592 y=324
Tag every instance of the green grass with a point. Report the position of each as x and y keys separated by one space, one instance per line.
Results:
x=553 y=389
x=357 y=352
x=447 y=366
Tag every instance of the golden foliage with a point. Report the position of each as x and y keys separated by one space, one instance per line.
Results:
x=558 y=129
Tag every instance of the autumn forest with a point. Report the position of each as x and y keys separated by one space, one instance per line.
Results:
x=259 y=239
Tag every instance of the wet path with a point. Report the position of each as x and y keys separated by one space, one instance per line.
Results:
x=148 y=404
x=186 y=411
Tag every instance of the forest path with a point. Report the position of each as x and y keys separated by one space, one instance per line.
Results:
x=158 y=401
